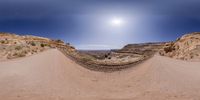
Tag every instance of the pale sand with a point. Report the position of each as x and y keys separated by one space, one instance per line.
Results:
x=52 y=76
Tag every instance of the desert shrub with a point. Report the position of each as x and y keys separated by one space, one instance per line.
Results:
x=67 y=44
x=42 y=45
x=191 y=56
x=2 y=42
x=16 y=55
x=169 y=49
x=178 y=39
x=72 y=47
x=106 y=56
x=161 y=53
x=18 y=48
x=19 y=54
x=33 y=44
x=25 y=52
x=59 y=41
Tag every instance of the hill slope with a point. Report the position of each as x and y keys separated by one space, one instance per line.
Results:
x=15 y=46
x=50 y=75
x=187 y=47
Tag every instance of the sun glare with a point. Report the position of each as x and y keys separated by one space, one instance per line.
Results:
x=117 y=22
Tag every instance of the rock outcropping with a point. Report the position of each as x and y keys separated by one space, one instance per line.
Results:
x=14 y=46
x=186 y=48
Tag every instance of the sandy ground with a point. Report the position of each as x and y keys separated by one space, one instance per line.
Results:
x=52 y=76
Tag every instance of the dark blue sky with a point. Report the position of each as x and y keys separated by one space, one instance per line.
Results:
x=85 y=23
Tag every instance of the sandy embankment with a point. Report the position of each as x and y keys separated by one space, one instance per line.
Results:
x=52 y=76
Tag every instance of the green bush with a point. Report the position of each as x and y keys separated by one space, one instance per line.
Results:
x=106 y=56
x=42 y=45
x=33 y=44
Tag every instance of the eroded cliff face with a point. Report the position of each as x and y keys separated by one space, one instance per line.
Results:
x=142 y=48
x=14 y=46
x=186 y=48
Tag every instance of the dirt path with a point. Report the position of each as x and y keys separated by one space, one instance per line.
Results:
x=52 y=76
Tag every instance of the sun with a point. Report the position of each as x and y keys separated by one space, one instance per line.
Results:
x=117 y=22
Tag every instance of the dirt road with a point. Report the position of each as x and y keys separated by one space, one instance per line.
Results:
x=52 y=76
